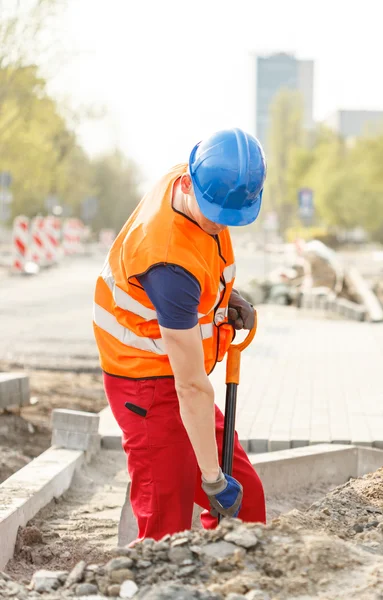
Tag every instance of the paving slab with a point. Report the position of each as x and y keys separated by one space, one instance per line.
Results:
x=303 y=382
x=308 y=381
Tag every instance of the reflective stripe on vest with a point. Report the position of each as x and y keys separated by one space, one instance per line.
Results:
x=123 y=300
x=108 y=322
x=229 y=273
x=126 y=302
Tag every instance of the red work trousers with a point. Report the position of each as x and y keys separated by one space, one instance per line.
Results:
x=166 y=480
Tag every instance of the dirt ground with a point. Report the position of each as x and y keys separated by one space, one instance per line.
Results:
x=25 y=433
x=70 y=529
x=319 y=543
x=331 y=550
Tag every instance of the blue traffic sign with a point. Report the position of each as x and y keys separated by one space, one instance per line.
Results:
x=306 y=203
x=5 y=179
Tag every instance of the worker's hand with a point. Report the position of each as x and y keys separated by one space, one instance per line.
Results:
x=241 y=312
x=225 y=495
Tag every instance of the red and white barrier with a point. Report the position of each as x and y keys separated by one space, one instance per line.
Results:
x=42 y=241
x=37 y=247
x=20 y=238
x=73 y=232
x=52 y=230
x=107 y=237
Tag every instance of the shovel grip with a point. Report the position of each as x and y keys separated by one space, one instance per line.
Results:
x=233 y=363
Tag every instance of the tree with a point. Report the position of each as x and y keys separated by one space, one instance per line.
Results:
x=286 y=137
x=116 y=185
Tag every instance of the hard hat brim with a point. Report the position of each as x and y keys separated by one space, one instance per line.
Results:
x=228 y=216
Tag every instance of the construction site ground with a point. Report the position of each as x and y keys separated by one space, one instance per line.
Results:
x=26 y=433
x=305 y=378
x=332 y=549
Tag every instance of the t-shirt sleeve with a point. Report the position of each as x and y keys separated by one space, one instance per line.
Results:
x=175 y=294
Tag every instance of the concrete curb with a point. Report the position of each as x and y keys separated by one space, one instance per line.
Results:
x=30 y=489
x=109 y=430
x=285 y=471
x=14 y=390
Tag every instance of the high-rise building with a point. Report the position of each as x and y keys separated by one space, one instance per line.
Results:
x=350 y=124
x=277 y=72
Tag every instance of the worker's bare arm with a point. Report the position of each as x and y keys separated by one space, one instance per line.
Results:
x=195 y=395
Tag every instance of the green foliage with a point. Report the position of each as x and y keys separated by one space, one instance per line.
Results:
x=346 y=177
x=285 y=139
x=37 y=144
x=116 y=185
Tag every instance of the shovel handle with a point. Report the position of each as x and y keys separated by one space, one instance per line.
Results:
x=233 y=362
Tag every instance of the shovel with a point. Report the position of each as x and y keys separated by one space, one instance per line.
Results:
x=233 y=366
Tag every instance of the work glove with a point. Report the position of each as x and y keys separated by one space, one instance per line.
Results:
x=241 y=312
x=225 y=495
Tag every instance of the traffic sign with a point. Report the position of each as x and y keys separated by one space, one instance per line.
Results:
x=89 y=209
x=6 y=198
x=306 y=203
x=5 y=179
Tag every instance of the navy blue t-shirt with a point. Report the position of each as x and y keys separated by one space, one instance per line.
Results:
x=175 y=294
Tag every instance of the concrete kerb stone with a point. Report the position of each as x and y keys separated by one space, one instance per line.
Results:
x=109 y=430
x=369 y=460
x=288 y=470
x=75 y=420
x=14 y=390
x=76 y=430
x=31 y=488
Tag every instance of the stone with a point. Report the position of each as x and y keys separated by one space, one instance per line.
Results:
x=178 y=554
x=120 y=575
x=187 y=570
x=242 y=537
x=358 y=528
x=128 y=589
x=175 y=592
x=161 y=545
x=14 y=590
x=47 y=581
x=257 y=595
x=219 y=550
x=235 y=597
x=143 y=564
x=86 y=589
x=114 y=590
x=179 y=542
x=92 y=597
x=121 y=562
x=76 y=574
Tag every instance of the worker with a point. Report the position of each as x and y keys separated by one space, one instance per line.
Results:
x=163 y=312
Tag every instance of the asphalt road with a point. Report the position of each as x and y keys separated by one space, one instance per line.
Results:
x=46 y=319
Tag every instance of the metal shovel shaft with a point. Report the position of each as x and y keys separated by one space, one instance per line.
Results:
x=229 y=428
x=233 y=365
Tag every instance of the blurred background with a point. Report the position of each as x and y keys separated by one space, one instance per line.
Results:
x=99 y=99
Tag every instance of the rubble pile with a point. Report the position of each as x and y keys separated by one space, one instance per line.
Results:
x=332 y=551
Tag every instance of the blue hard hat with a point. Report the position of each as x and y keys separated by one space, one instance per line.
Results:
x=228 y=171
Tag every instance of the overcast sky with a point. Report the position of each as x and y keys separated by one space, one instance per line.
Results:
x=169 y=72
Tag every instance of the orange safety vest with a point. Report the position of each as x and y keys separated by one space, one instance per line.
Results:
x=125 y=321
